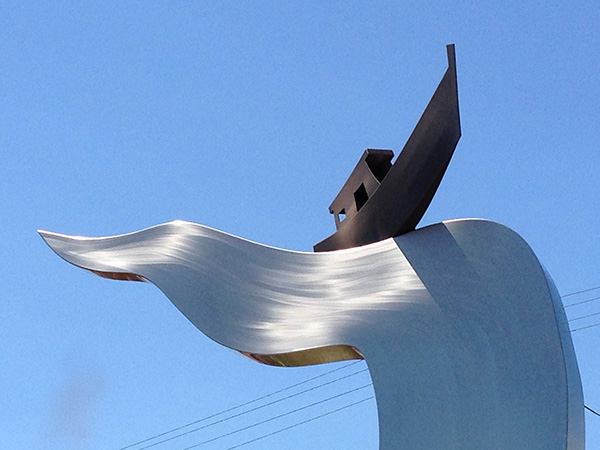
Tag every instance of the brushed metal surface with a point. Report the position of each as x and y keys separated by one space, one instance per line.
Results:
x=463 y=331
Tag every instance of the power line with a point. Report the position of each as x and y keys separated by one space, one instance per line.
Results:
x=584 y=317
x=243 y=404
x=305 y=421
x=277 y=417
x=580 y=292
x=583 y=301
x=185 y=433
x=585 y=406
x=584 y=328
x=310 y=389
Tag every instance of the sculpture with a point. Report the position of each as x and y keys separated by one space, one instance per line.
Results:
x=463 y=331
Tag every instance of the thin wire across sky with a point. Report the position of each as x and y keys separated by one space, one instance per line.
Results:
x=238 y=410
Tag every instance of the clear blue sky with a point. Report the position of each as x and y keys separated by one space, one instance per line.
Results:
x=248 y=117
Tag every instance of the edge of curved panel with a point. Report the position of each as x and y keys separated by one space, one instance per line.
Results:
x=443 y=315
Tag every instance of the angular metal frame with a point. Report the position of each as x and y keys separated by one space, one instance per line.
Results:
x=399 y=203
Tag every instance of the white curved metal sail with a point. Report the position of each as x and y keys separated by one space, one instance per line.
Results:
x=464 y=333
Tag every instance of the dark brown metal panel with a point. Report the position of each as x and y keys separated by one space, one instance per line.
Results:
x=408 y=188
x=366 y=176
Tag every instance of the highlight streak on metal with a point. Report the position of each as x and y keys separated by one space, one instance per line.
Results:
x=464 y=334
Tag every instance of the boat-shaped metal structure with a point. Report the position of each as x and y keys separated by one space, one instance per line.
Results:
x=463 y=330
x=382 y=200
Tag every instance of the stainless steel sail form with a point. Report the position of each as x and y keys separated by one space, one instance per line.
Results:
x=464 y=333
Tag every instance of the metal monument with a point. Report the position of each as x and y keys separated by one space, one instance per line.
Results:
x=463 y=330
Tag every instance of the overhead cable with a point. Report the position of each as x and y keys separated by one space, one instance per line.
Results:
x=583 y=301
x=580 y=292
x=584 y=328
x=212 y=416
x=270 y=419
x=316 y=387
x=256 y=408
x=305 y=421
x=584 y=317
x=586 y=407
